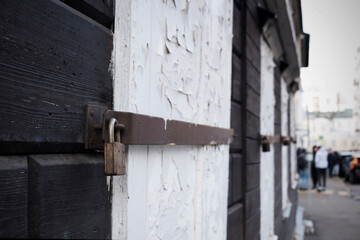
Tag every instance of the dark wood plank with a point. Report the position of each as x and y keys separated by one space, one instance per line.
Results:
x=237 y=177
x=253 y=101
x=252 y=29
x=252 y=151
x=68 y=197
x=288 y=225
x=237 y=30
x=253 y=227
x=235 y=222
x=278 y=174
x=13 y=196
x=253 y=77
x=277 y=115
x=252 y=7
x=236 y=121
x=237 y=3
x=278 y=198
x=252 y=203
x=252 y=176
x=99 y=10
x=252 y=125
x=278 y=225
x=236 y=79
x=230 y=191
x=253 y=53
x=53 y=61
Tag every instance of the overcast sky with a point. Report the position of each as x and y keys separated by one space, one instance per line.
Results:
x=334 y=28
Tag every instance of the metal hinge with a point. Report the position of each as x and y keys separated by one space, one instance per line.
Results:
x=137 y=129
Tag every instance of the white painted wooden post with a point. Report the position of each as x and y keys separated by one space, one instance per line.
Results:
x=267 y=117
x=284 y=149
x=172 y=59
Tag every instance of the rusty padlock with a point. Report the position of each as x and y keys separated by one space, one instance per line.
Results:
x=114 y=152
x=265 y=143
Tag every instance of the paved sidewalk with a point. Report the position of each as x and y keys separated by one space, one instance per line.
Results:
x=335 y=212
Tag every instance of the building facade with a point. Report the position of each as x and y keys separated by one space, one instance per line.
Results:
x=214 y=65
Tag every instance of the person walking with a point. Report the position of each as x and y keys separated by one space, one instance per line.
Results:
x=321 y=164
x=302 y=168
x=331 y=162
x=314 y=176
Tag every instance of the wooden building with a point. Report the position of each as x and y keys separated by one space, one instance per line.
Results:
x=208 y=66
x=269 y=47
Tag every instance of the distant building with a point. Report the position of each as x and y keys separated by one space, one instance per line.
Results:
x=332 y=121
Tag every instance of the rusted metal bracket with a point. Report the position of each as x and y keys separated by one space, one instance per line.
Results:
x=138 y=129
x=146 y=130
x=285 y=140
x=93 y=128
x=266 y=140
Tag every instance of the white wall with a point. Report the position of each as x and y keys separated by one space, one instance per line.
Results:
x=172 y=59
x=284 y=149
x=267 y=104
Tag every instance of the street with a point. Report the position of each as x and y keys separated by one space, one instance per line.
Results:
x=334 y=212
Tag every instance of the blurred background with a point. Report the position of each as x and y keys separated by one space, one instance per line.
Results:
x=328 y=111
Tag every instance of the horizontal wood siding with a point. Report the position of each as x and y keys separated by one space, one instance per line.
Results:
x=53 y=61
x=277 y=153
x=288 y=225
x=235 y=224
x=252 y=155
x=68 y=197
x=244 y=177
x=13 y=197
x=99 y=10
x=62 y=196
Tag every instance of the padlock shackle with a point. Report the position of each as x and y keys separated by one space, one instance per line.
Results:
x=112 y=123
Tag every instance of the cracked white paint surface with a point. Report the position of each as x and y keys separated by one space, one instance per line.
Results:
x=172 y=59
x=284 y=149
x=267 y=117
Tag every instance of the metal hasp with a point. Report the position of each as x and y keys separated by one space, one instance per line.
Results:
x=137 y=129
x=285 y=140
x=266 y=140
x=146 y=130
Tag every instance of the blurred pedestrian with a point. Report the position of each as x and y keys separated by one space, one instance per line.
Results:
x=331 y=162
x=302 y=168
x=321 y=164
x=336 y=162
x=314 y=176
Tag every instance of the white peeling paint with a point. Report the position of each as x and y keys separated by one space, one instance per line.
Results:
x=267 y=118
x=172 y=59
x=284 y=149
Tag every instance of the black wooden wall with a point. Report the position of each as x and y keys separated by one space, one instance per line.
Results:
x=277 y=152
x=284 y=227
x=62 y=196
x=54 y=59
x=244 y=182
x=244 y=169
